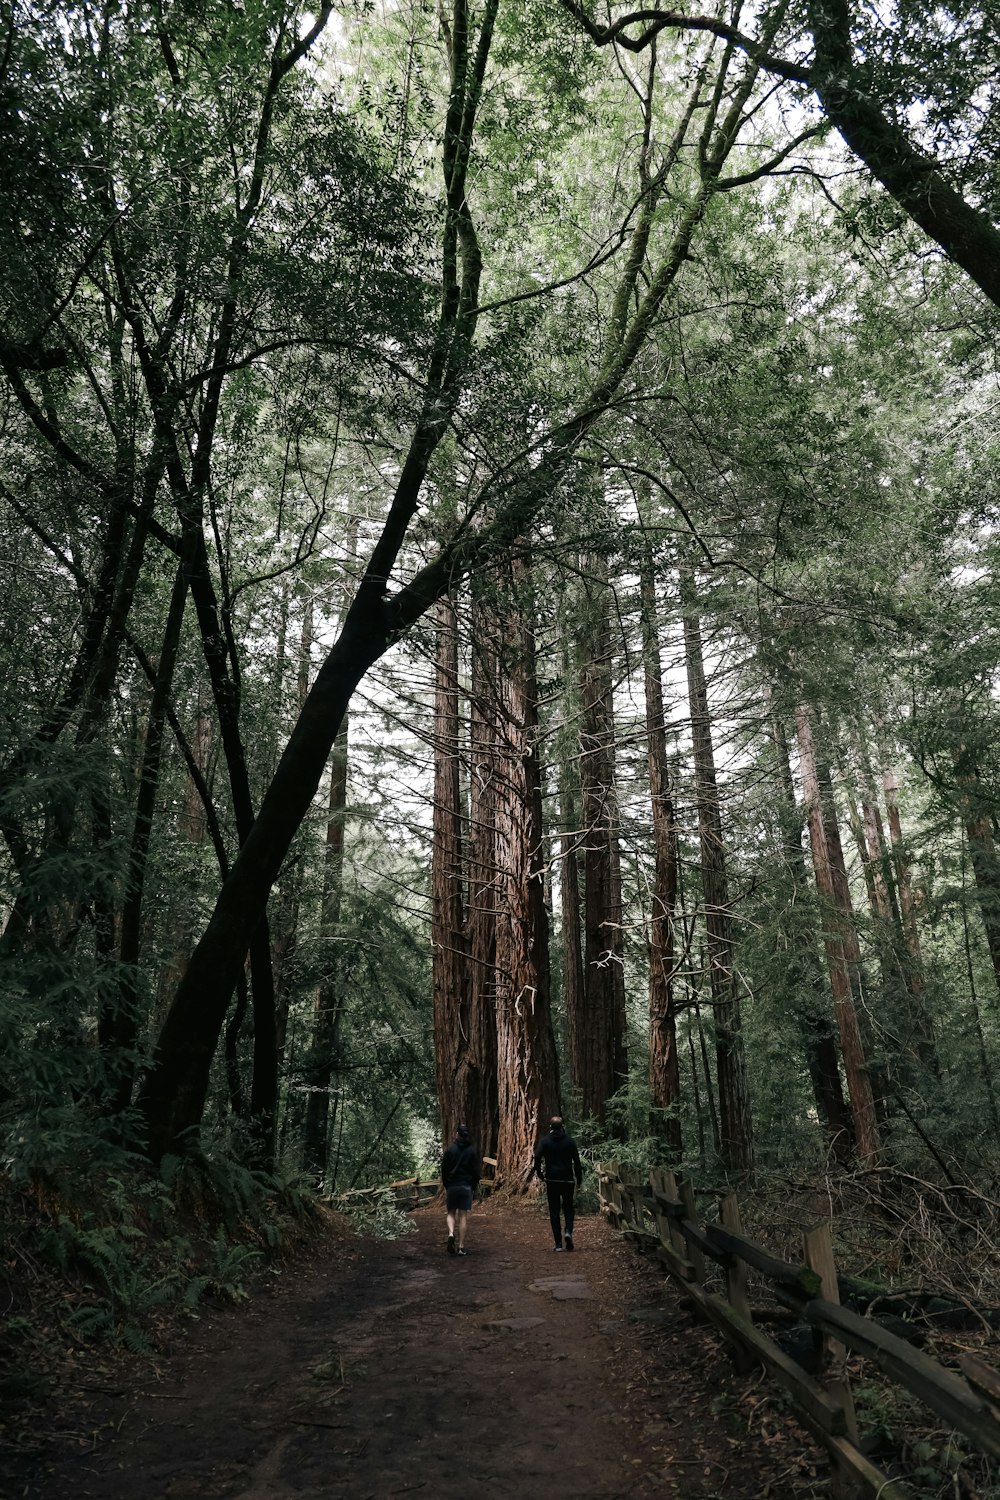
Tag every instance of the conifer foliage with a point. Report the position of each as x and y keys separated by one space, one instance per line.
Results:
x=498 y=595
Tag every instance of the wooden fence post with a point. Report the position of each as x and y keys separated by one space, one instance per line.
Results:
x=817 y=1245
x=676 y=1240
x=694 y=1255
x=736 y=1271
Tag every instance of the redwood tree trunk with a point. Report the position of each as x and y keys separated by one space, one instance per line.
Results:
x=814 y=1008
x=598 y=1060
x=664 y=1064
x=735 y=1120
x=451 y=993
x=527 y=1068
x=481 y=1104
x=855 y=1063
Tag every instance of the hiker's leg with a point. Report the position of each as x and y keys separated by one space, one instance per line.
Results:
x=451 y=1221
x=460 y=1219
x=568 y=1207
x=553 y=1191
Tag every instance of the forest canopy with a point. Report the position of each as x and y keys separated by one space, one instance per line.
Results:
x=499 y=616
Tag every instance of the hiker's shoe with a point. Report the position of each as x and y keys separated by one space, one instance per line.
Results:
x=451 y=1244
x=557 y=1247
x=569 y=1242
x=462 y=1250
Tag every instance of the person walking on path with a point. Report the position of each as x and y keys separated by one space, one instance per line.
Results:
x=460 y=1172
x=557 y=1163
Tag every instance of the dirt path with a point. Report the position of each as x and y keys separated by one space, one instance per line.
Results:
x=406 y=1372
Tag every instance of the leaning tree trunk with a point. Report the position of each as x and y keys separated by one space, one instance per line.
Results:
x=735 y=1120
x=664 y=1064
x=598 y=1059
x=855 y=1064
x=527 y=1068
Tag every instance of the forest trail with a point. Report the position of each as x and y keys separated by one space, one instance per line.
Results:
x=397 y=1370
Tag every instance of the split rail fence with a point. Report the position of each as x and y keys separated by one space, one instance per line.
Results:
x=660 y=1217
x=410 y=1192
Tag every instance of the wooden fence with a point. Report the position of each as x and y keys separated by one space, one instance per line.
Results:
x=411 y=1192
x=660 y=1217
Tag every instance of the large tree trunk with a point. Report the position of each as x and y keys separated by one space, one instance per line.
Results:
x=450 y=978
x=664 y=1064
x=965 y=232
x=527 y=1068
x=598 y=1060
x=839 y=942
x=481 y=1103
x=735 y=1120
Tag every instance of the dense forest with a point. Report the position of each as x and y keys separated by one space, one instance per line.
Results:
x=499 y=507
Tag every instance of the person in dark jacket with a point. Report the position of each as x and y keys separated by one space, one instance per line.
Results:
x=557 y=1163
x=460 y=1172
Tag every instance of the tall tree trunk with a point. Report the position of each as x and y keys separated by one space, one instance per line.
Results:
x=527 y=1067
x=923 y=1025
x=735 y=1120
x=838 y=931
x=285 y=923
x=598 y=1061
x=664 y=1064
x=482 y=885
x=120 y=1032
x=984 y=1056
x=329 y=1001
x=813 y=1008
x=569 y=897
x=451 y=990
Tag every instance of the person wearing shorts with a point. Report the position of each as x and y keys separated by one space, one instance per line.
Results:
x=460 y=1171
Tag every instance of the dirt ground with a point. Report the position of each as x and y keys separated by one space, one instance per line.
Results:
x=389 y=1369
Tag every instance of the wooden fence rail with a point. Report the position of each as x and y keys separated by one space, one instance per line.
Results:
x=411 y=1192
x=660 y=1217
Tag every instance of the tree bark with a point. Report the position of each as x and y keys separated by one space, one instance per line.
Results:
x=813 y=1009
x=664 y=1063
x=905 y=915
x=120 y=1032
x=836 y=941
x=527 y=1067
x=450 y=978
x=481 y=1098
x=735 y=1120
x=328 y=1006
x=598 y=1059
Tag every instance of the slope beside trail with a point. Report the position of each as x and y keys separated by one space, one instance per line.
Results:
x=396 y=1370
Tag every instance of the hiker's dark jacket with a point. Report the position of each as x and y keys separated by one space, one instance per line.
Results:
x=557 y=1159
x=460 y=1166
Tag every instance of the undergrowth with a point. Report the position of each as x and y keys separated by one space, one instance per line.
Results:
x=109 y=1252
